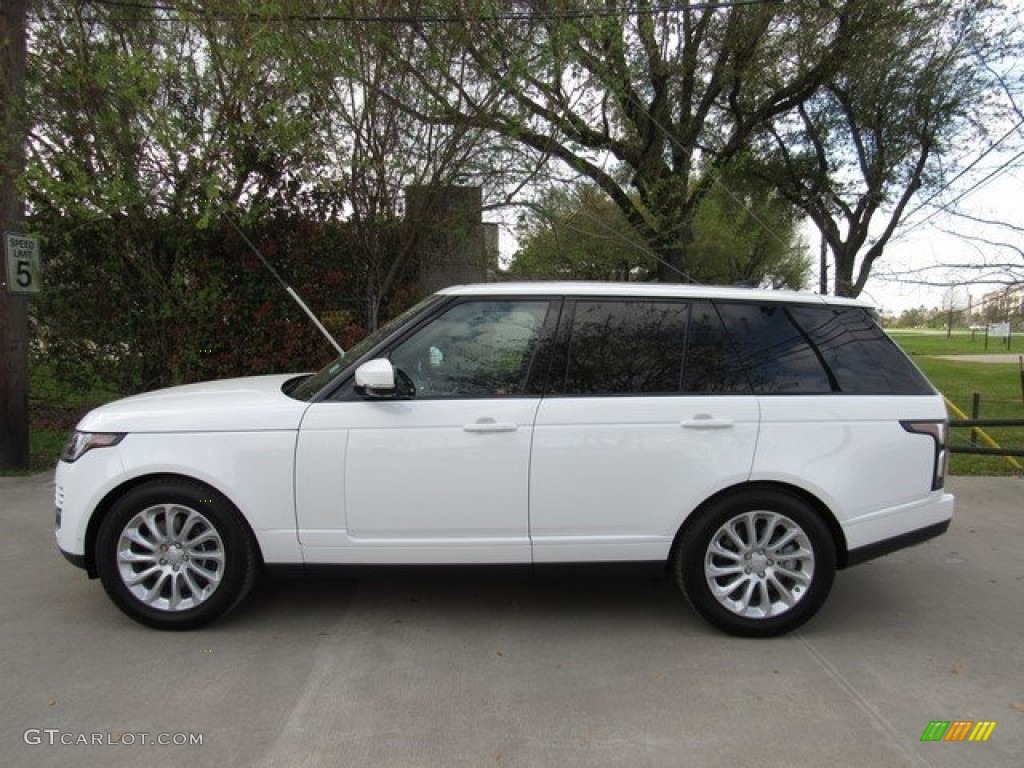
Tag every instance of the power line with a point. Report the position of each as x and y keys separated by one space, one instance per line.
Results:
x=970 y=166
x=997 y=172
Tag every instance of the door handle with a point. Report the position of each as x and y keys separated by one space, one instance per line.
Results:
x=706 y=421
x=490 y=425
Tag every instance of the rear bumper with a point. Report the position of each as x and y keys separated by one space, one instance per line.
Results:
x=884 y=547
x=893 y=529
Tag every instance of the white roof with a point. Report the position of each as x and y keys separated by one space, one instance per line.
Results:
x=645 y=290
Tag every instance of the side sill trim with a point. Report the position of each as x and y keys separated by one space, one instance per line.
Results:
x=904 y=540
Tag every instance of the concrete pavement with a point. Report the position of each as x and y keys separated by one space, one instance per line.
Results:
x=990 y=359
x=590 y=666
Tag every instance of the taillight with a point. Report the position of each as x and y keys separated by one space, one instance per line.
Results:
x=938 y=431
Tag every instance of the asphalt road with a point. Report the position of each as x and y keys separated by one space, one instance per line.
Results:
x=494 y=667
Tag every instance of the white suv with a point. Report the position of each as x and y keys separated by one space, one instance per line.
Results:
x=753 y=441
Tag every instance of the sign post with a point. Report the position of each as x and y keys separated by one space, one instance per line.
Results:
x=23 y=271
x=1000 y=331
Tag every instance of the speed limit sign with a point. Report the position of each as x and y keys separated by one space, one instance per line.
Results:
x=23 y=272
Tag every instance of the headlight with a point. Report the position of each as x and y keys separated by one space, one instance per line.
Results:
x=81 y=443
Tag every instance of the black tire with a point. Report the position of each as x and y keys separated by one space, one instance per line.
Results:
x=175 y=554
x=756 y=564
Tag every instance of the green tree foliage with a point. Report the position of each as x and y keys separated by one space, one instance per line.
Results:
x=577 y=233
x=152 y=123
x=649 y=102
x=653 y=102
x=145 y=132
x=743 y=232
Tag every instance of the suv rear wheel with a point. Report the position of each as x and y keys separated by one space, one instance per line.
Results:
x=756 y=564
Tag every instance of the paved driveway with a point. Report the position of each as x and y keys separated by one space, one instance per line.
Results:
x=483 y=667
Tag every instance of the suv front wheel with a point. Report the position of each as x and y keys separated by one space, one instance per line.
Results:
x=756 y=564
x=175 y=554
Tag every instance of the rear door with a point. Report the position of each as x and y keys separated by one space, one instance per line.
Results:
x=647 y=415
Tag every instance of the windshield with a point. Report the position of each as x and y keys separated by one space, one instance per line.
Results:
x=313 y=384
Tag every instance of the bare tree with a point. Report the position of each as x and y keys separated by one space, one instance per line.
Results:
x=381 y=149
x=888 y=127
x=649 y=102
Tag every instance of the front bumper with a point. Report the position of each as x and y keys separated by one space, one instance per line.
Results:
x=76 y=560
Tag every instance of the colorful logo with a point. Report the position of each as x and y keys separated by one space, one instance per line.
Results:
x=958 y=730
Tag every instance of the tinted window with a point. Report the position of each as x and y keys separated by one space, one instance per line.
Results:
x=625 y=347
x=862 y=358
x=774 y=350
x=711 y=366
x=474 y=349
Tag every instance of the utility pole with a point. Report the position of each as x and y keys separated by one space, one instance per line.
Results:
x=823 y=266
x=14 y=451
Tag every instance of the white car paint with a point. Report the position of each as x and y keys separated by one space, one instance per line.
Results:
x=433 y=481
x=613 y=478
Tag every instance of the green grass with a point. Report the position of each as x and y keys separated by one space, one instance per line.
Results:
x=999 y=385
x=915 y=342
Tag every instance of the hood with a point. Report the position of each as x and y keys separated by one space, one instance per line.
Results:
x=253 y=404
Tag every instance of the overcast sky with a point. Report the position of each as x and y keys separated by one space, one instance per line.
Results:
x=933 y=246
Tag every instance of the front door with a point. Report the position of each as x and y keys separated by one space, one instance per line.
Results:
x=443 y=475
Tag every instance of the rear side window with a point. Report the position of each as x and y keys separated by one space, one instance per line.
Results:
x=643 y=347
x=776 y=353
x=711 y=366
x=625 y=348
x=863 y=360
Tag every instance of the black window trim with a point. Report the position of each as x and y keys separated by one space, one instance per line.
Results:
x=836 y=389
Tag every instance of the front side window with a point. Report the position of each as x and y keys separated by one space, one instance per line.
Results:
x=311 y=385
x=620 y=347
x=473 y=349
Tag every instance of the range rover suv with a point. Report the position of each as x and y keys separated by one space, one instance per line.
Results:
x=755 y=442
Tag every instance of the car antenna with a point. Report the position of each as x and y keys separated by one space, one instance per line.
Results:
x=288 y=289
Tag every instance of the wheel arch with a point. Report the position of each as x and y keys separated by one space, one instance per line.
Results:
x=107 y=502
x=822 y=509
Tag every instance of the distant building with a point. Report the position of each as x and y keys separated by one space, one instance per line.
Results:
x=453 y=244
x=1003 y=304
